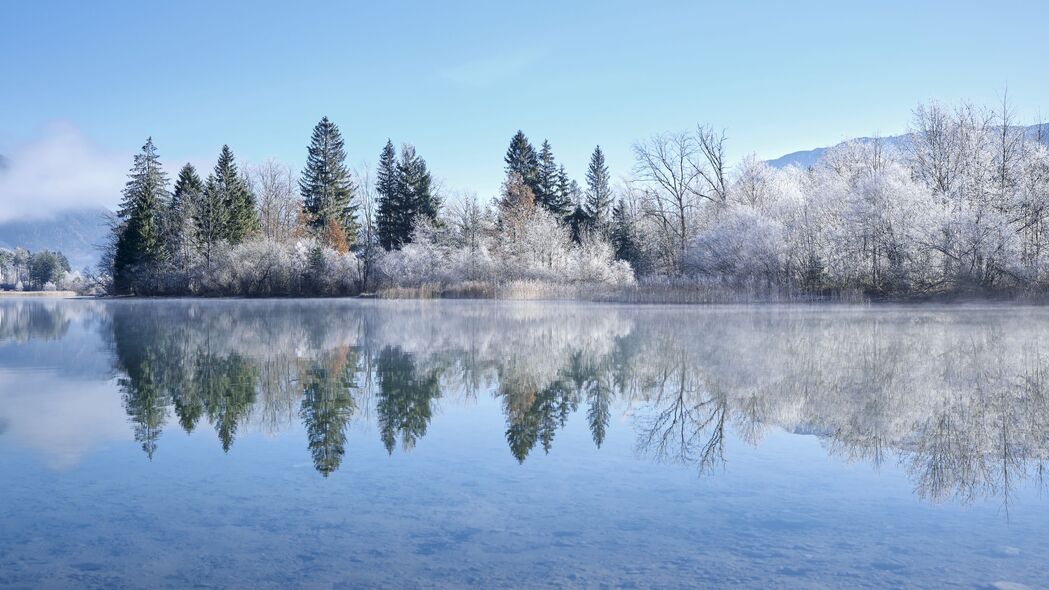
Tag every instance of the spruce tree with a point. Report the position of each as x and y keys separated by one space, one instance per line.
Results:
x=623 y=236
x=326 y=185
x=387 y=185
x=547 y=193
x=242 y=217
x=182 y=213
x=211 y=218
x=139 y=240
x=568 y=195
x=416 y=187
x=521 y=159
x=598 y=191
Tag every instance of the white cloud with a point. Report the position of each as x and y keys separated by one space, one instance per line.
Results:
x=60 y=169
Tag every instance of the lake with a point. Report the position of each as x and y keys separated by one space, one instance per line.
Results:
x=404 y=444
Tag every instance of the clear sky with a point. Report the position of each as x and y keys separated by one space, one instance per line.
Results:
x=85 y=82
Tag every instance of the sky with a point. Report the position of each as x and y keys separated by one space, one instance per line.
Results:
x=82 y=84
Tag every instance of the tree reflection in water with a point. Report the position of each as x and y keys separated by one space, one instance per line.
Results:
x=959 y=398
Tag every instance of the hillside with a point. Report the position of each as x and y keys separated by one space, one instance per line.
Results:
x=77 y=234
x=806 y=158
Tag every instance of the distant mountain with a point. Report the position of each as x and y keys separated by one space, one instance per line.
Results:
x=806 y=158
x=76 y=233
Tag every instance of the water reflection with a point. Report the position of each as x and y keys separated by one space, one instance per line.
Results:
x=958 y=397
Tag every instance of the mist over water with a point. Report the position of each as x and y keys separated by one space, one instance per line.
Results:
x=330 y=443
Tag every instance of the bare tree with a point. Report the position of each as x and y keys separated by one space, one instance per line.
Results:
x=274 y=185
x=469 y=221
x=934 y=148
x=368 y=249
x=667 y=175
x=714 y=169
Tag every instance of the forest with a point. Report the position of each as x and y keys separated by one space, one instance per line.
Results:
x=960 y=205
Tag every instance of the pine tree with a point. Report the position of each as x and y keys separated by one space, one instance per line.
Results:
x=547 y=193
x=139 y=240
x=598 y=191
x=242 y=217
x=326 y=185
x=182 y=213
x=521 y=159
x=387 y=185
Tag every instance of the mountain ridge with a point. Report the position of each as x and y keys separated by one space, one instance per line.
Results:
x=807 y=158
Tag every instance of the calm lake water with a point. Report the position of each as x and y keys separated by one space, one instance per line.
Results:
x=347 y=444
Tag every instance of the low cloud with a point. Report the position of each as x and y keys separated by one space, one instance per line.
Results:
x=58 y=170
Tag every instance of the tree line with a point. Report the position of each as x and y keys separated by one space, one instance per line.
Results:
x=261 y=231
x=960 y=202
x=45 y=270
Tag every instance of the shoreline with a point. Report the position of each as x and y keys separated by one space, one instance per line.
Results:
x=51 y=294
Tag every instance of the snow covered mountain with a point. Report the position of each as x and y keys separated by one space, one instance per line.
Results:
x=76 y=233
x=806 y=158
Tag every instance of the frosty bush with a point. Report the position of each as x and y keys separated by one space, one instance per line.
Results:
x=536 y=248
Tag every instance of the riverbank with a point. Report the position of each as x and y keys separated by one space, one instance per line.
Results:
x=54 y=294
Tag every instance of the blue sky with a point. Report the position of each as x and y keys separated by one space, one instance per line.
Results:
x=458 y=79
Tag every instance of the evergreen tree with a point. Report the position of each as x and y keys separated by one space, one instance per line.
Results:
x=521 y=159
x=327 y=407
x=241 y=218
x=405 y=189
x=139 y=240
x=326 y=186
x=547 y=193
x=568 y=194
x=406 y=398
x=416 y=187
x=138 y=362
x=598 y=191
x=624 y=237
x=182 y=214
x=387 y=185
x=228 y=386
x=211 y=218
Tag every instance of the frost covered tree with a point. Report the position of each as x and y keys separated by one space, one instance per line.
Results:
x=211 y=218
x=280 y=208
x=668 y=178
x=522 y=159
x=139 y=236
x=181 y=231
x=326 y=186
x=516 y=202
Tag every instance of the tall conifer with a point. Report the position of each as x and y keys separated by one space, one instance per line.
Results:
x=182 y=213
x=241 y=214
x=598 y=191
x=326 y=185
x=387 y=185
x=139 y=238
x=522 y=159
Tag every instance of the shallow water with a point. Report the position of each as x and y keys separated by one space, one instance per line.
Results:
x=345 y=444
